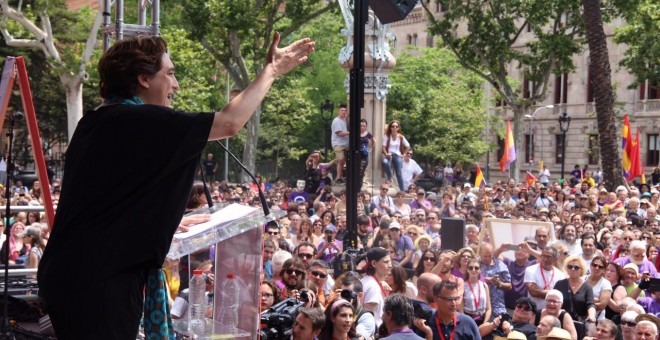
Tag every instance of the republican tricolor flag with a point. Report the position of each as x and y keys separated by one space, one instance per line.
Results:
x=479 y=181
x=509 y=154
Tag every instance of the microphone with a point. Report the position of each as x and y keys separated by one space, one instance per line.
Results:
x=207 y=192
x=262 y=198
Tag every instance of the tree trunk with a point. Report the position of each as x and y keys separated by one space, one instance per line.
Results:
x=601 y=82
x=251 y=141
x=73 y=85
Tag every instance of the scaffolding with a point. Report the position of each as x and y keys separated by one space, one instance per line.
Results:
x=120 y=29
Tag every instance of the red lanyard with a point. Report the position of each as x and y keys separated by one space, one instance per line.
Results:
x=546 y=285
x=477 y=298
x=381 y=286
x=442 y=335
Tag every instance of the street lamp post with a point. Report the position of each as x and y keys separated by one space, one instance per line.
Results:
x=564 y=124
x=531 y=143
x=326 y=115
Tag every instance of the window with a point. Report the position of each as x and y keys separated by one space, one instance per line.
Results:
x=414 y=40
x=594 y=149
x=559 y=142
x=561 y=89
x=649 y=91
x=529 y=88
x=429 y=40
x=529 y=148
x=409 y=38
x=653 y=150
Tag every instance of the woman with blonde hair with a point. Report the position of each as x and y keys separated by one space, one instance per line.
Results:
x=394 y=146
x=578 y=294
x=463 y=256
x=304 y=233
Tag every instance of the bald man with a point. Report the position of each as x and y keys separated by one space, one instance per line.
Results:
x=497 y=277
x=424 y=297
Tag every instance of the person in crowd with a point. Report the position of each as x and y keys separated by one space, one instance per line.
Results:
x=270 y=294
x=404 y=245
x=376 y=289
x=569 y=239
x=339 y=321
x=578 y=294
x=31 y=237
x=447 y=322
x=17 y=249
x=330 y=247
x=397 y=279
x=397 y=318
x=476 y=301
x=180 y=306
x=422 y=244
x=395 y=145
x=628 y=324
x=588 y=244
x=304 y=233
x=427 y=262
x=425 y=298
x=638 y=257
x=497 y=276
x=400 y=204
x=365 y=323
x=463 y=256
x=339 y=139
x=318 y=273
x=543 y=276
x=382 y=204
x=516 y=268
x=606 y=330
x=546 y=324
x=306 y=252
x=647 y=327
x=410 y=170
x=602 y=288
x=308 y=325
x=554 y=301
x=521 y=321
x=292 y=273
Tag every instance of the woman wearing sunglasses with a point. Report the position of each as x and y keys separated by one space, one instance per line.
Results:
x=394 y=146
x=476 y=301
x=427 y=261
x=578 y=295
x=554 y=301
x=602 y=288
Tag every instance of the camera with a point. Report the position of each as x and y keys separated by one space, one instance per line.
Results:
x=277 y=322
x=348 y=295
x=329 y=239
x=421 y=313
x=304 y=296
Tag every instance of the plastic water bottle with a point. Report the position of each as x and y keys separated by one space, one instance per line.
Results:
x=197 y=304
x=229 y=316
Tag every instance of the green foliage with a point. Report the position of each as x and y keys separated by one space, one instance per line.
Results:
x=440 y=106
x=641 y=34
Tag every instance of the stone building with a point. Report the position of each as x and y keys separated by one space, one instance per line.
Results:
x=569 y=93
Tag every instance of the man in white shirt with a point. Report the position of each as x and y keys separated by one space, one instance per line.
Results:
x=339 y=139
x=569 y=238
x=410 y=171
x=544 y=176
x=542 y=277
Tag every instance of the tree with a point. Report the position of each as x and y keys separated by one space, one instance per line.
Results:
x=488 y=37
x=237 y=34
x=439 y=104
x=601 y=82
x=641 y=35
x=69 y=52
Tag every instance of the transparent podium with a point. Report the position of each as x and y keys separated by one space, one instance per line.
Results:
x=236 y=232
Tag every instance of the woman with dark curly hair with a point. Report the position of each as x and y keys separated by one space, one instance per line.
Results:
x=427 y=261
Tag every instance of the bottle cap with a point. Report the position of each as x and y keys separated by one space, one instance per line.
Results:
x=198 y=272
x=230 y=276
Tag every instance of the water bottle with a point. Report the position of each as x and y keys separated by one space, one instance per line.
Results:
x=197 y=304
x=229 y=316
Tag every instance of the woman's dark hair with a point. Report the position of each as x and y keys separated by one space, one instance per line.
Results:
x=196 y=195
x=619 y=269
x=374 y=254
x=121 y=65
x=332 y=217
x=467 y=274
x=399 y=277
x=277 y=293
x=419 y=270
x=328 y=327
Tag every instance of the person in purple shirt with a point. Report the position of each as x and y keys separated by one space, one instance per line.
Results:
x=517 y=267
x=651 y=303
x=420 y=202
x=404 y=245
x=638 y=257
x=330 y=246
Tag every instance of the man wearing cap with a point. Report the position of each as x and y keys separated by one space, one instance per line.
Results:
x=330 y=247
x=420 y=202
x=410 y=170
x=543 y=276
x=404 y=245
x=466 y=195
x=647 y=327
x=523 y=314
x=447 y=323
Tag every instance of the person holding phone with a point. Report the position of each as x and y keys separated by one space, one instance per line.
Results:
x=330 y=247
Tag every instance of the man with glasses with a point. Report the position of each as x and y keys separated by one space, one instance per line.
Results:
x=447 y=322
x=292 y=273
x=318 y=273
x=273 y=234
x=305 y=252
x=421 y=203
x=638 y=257
x=543 y=276
x=383 y=203
x=521 y=321
x=410 y=170
x=431 y=219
